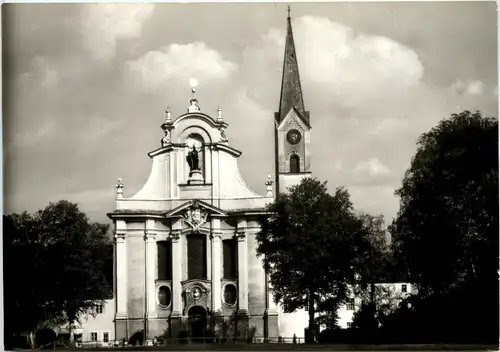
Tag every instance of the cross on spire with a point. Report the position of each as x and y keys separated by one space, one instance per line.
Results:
x=288 y=11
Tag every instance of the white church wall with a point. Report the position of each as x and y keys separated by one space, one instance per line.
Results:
x=156 y=187
x=230 y=181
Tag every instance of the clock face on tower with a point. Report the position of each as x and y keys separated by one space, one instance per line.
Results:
x=293 y=136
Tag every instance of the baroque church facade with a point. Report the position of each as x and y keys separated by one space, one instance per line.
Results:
x=185 y=247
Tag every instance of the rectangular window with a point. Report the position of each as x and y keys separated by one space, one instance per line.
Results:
x=105 y=337
x=164 y=260
x=403 y=288
x=93 y=336
x=230 y=250
x=197 y=257
x=349 y=324
x=99 y=308
x=350 y=304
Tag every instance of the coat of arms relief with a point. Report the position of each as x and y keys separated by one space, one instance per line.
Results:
x=195 y=217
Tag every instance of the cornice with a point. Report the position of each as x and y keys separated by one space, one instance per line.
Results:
x=224 y=147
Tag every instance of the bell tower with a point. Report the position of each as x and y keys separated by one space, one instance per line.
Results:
x=292 y=126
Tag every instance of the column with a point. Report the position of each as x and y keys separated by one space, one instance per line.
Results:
x=216 y=269
x=121 y=276
x=151 y=255
x=242 y=272
x=176 y=275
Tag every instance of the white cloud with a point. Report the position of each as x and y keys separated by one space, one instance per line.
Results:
x=475 y=88
x=373 y=167
x=104 y=24
x=347 y=68
x=461 y=88
x=157 y=69
x=336 y=54
x=375 y=200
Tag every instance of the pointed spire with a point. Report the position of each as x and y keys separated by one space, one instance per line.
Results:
x=291 y=91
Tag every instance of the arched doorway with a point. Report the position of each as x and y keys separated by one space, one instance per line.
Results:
x=197 y=323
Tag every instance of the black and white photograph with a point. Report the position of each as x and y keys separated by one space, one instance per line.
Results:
x=250 y=176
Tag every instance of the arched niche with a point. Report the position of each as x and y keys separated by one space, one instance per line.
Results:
x=195 y=142
x=202 y=134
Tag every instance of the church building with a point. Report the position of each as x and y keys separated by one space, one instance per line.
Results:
x=185 y=247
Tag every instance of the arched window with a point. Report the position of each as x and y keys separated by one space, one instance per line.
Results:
x=294 y=164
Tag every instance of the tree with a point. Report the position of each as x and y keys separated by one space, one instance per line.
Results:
x=382 y=302
x=307 y=245
x=63 y=260
x=374 y=255
x=446 y=231
x=449 y=204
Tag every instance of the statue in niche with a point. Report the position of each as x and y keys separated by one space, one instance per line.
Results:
x=193 y=159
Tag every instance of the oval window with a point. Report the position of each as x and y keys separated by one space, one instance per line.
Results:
x=230 y=294
x=164 y=296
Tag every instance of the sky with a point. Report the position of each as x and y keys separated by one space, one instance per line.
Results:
x=86 y=87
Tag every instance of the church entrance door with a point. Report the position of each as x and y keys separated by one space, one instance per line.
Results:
x=197 y=323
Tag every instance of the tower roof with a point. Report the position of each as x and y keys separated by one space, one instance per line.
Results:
x=291 y=91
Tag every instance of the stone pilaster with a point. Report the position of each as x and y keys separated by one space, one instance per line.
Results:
x=121 y=275
x=242 y=270
x=121 y=312
x=177 y=259
x=151 y=255
x=176 y=275
x=216 y=265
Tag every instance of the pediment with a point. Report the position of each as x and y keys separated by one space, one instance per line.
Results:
x=293 y=120
x=195 y=213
